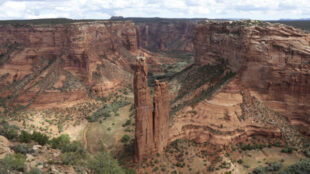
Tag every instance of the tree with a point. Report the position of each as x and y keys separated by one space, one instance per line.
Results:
x=103 y=163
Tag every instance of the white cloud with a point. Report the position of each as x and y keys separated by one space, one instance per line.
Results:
x=103 y=9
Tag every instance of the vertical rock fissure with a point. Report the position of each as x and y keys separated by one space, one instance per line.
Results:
x=151 y=119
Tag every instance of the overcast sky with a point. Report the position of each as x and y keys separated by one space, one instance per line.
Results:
x=104 y=9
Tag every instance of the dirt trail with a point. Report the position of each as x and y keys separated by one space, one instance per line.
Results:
x=85 y=136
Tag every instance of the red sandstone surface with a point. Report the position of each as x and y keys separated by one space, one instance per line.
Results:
x=271 y=84
x=151 y=123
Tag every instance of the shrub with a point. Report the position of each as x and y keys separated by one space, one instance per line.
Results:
x=69 y=158
x=22 y=149
x=301 y=167
x=259 y=170
x=39 y=138
x=307 y=153
x=24 y=137
x=12 y=133
x=210 y=168
x=125 y=139
x=272 y=167
x=128 y=122
x=9 y=131
x=240 y=161
x=104 y=163
x=12 y=162
x=75 y=146
x=71 y=152
x=155 y=169
x=287 y=150
x=130 y=171
x=34 y=171
x=105 y=112
x=60 y=141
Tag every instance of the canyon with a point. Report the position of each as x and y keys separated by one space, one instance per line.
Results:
x=269 y=61
x=248 y=81
x=72 y=60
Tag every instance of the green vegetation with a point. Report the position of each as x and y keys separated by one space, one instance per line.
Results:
x=12 y=132
x=24 y=137
x=39 y=138
x=103 y=163
x=11 y=47
x=107 y=110
x=301 y=24
x=12 y=162
x=127 y=123
x=72 y=153
x=60 y=142
x=9 y=131
x=155 y=169
x=34 y=171
x=273 y=167
x=251 y=146
x=301 y=167
x=193 y=77
x=287 y=150
x=307 y=153
x=259 y=170
x=207 y=73
x=125 y=139
x=21 y=149
x=104 y=112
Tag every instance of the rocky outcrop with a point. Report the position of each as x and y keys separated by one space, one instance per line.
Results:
x=4 y=147
x=64 y=60
x=161 y=114
x=273 y=61
x=144 y=135
x=268 y=96
x=151 y=126
x=166 y=35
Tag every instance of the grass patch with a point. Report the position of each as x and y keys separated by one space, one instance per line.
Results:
x=107 y=110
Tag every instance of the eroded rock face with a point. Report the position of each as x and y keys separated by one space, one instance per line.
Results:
x=4 y=147
x=166 y=35
x=267 y=97
x=151 y=131
x=273 y=61
x=161 y=114
x=38 y=61
x=144 y=136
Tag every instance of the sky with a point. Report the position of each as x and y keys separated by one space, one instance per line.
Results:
x=104 y=9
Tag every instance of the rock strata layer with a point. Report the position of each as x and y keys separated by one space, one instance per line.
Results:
x=273 y=61
x=161 y=114
x=151 y=131
x=270 y=94
x=40 y=61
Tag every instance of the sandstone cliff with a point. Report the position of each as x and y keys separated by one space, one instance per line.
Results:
x=268 y=96
x=61 y=60
x=273 y=61
x=144 y=135
x=166 y=35
x=151 y=131
x=161 y=102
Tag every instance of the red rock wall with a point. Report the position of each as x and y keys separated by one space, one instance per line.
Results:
x=161 y=115
x=166 y=36
x=151 y=131
x=144 y=136
x=37 y=59
x=273 y=61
